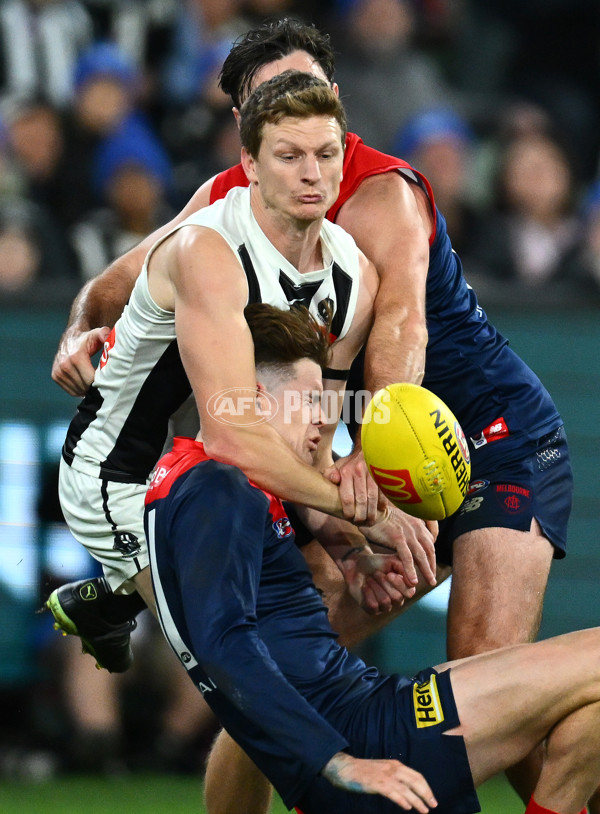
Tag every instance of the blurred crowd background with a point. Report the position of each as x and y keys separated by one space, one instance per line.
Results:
x=111 y=117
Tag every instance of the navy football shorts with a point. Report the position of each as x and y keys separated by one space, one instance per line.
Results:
x=508 y=494
x=405 y=720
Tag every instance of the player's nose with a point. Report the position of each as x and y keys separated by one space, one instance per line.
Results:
x=311 y=169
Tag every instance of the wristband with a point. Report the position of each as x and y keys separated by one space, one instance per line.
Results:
x=336 y=374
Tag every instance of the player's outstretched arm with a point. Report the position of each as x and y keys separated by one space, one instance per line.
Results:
x=100 y=303
x=391 y=221
x=390 y=778
x=358 y=491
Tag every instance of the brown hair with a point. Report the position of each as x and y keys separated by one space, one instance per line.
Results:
x=292 y=93
x=282 y=338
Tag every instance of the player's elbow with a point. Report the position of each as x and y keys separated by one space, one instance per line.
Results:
x=415 y=326
x=401 y=322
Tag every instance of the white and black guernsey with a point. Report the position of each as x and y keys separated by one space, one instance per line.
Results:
x=121 y=425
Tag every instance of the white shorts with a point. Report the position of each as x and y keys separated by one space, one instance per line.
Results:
x=108 y=519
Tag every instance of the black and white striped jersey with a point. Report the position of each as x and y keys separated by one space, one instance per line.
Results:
x=121 y=425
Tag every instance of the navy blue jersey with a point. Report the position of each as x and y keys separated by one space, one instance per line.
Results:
x=469 y=364
x=238 y=605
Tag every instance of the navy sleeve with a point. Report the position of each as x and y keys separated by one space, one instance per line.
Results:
x=217 y=539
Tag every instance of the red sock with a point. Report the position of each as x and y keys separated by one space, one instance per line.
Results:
x=535 y=808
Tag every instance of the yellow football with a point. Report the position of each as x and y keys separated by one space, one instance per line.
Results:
x=416 y=451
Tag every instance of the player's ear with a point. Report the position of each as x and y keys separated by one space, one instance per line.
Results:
x=236 y=116
x=248 y=165
x=335 y=88
x=264 y=402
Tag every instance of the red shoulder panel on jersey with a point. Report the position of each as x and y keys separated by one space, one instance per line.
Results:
x=224 y=181
x=186 y=452
x=361 y=162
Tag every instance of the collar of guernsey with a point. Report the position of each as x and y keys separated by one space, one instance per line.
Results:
x=360 y=162
x=185 y=454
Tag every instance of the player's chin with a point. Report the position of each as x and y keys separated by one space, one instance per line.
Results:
x=311 y=210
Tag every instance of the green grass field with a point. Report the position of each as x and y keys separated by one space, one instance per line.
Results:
x=157 y=794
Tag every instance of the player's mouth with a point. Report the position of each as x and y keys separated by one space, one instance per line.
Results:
x=311 y=198
x=313 y=443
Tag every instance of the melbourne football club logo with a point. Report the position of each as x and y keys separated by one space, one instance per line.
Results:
x=513 y=497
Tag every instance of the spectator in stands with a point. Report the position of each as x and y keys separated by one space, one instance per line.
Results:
x=544 y=53
x=107 y=86
x=201 y=136
x=132 y=176
x=440 y=143
x=532 y=230
x=143 y=30
x=584 y=267
x=37 y=143
x=40 y=41
x=387 y=78
x=35 y=264
x=204 y=31
x=35 y=258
